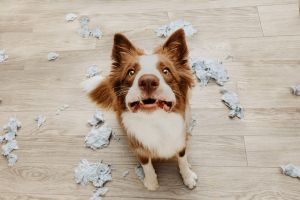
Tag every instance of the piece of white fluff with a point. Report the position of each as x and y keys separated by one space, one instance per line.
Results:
x=125 y=173
x=192 y=124
x=291 y=170
x=52 y=56
x=71 y=17
x=90 y=84
x=98 y=137
x=206 y=69
x=12 y=159
x=62 y=108
x=3 y=56
x=40 y=120
x=13 y=125
x=84 y=30
x=167 y=30
x=97 y=173
x=92 y=71
x=296 y=90
x=97 y=119
x=139 y=171
x=9 y=147
x=231 y=100
x=8 y=140
x=98 y=193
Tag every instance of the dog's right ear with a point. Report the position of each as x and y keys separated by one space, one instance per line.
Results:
x=122 y=48
x=102 y=94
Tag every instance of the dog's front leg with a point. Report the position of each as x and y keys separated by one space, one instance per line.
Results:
x=189 y=177
x=150 y=180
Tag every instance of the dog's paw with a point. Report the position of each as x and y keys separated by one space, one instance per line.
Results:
x=190 y=179
x=151 y=183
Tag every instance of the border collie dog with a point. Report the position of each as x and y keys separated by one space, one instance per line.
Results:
x=150 y=95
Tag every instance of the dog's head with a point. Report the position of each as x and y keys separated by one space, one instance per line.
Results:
x=142 y=82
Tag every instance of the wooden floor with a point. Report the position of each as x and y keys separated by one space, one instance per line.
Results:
x=234 y=159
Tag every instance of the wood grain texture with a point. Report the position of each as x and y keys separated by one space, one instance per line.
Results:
x=280 y=19
x=259 y=43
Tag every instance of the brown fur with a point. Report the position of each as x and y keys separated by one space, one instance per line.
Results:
x=112 y=91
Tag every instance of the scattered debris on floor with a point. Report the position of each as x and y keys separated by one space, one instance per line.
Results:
x=92 y=71
x=98 y=137
x=97 y=119
x=231 y=100
x=62 y=108
x=71 y=17
x=206 y=69
x=296 y=90
x=3 y=56
x=40 y=120
x=12 y=159
x=98 y=193
x=52 y=56
x=84 y=30
x=192 y=124
x=125 y=173
x=167 y=30
x=291 y=170
x=229 y=57
x=100 y=134
x=97 y=173
x=9 y=140
x=139 y=171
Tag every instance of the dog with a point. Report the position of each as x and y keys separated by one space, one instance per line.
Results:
x=150 y=95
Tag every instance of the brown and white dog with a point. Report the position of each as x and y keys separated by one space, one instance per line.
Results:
x=150 y=95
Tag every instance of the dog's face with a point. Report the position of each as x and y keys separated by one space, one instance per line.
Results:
x=141 y=82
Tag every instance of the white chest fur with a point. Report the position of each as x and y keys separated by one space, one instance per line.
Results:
x=159 y=131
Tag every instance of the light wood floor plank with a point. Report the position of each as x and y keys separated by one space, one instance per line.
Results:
x=280 y=19
x=272 y=151
x=260 y=183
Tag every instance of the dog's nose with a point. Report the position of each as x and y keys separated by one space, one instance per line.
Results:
x=148 y=83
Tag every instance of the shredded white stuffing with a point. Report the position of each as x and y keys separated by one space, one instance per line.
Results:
x=98 y=193
x=52 y=56
x=92 y=71
x=192 y=124
x=12 y=159
x=296 y=90
x=98 y=137
x=62 y=108
x=167 y=30
x=139 y=171
x=3 y=56
x=9 y=147
x=71 y=17
x=125 y=173
x=291 y=170
x=97 y=119
x=97 y=173
x=231 y=100
x=40 y=120
x=206 y=69
x=84 y=30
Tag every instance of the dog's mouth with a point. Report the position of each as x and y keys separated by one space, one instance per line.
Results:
x=151 y=104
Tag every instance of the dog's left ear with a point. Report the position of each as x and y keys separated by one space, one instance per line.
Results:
x=122 y=48
x=176 y=47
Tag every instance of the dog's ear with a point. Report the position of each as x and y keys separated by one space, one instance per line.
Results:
x=122 y=48
x=176 y=47
x=103 y=94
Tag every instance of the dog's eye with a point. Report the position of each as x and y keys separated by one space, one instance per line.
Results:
x=166 y=70
x=131 y=72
